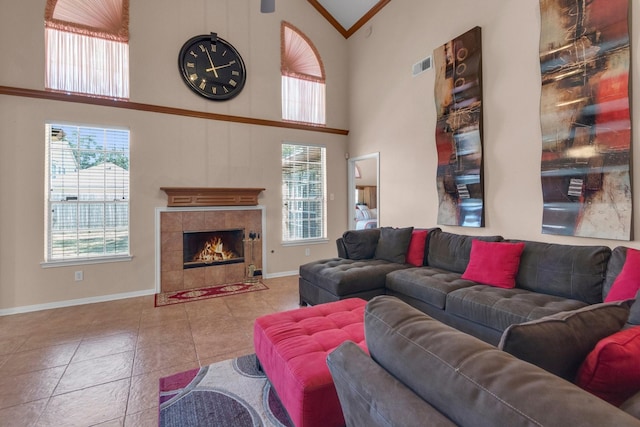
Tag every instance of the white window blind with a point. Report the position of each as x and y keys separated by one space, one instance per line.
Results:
x=87 y=193
x=303 y=192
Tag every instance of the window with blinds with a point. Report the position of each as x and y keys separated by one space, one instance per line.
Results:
x=303 y=78
x=303 y=192
x=87 y=193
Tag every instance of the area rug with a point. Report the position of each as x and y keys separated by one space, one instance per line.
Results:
x=229 y=393
x=197 y=294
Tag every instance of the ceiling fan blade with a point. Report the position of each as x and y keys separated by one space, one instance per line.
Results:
x=267 y=6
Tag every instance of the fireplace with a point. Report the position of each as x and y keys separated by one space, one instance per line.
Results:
x=178 y=226
x=207 y=248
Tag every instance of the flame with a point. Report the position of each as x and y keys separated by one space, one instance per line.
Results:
x=214 y=251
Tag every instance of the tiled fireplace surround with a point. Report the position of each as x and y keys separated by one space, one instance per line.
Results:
x=172 y=222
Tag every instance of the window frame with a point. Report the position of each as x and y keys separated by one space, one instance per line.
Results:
x=286 y=236
x=109 y=200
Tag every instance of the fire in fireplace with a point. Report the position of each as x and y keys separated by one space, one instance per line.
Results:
x=206 y=248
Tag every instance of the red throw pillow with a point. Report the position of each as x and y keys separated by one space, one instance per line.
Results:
x=494 y=263
x=612 y=371
x=627 y=283
x=415 y=253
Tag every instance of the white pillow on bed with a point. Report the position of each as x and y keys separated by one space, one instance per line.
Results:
x=362 y=212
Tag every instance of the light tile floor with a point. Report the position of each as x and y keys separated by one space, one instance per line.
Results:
x=99 y=364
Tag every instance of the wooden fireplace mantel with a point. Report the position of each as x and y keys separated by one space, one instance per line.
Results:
x=207 y=196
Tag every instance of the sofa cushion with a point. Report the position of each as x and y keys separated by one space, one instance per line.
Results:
x=393 y=244
x=494 y=263
x=627 y=283
x=415 y=252
x=575 y=272
x=426 y=284
x=472 y=382
x=612 y=370
x=451 y=252
x=361 y=244
x=341 y=276
x=560 y=342
x=498 y=308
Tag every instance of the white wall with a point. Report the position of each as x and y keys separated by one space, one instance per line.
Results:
x=165 y=150
x=394 y=113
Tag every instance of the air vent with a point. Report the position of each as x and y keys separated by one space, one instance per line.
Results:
x=422 y=66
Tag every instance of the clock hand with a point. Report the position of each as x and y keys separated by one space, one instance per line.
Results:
x=213 y=67
x=222 y=66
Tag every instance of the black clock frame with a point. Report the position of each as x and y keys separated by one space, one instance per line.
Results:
x=201 y=79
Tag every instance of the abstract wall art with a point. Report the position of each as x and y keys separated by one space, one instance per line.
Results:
x=585 y=121
x=458 y=97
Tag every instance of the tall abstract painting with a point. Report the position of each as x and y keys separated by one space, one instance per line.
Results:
x=585 y=121
x=458 y=97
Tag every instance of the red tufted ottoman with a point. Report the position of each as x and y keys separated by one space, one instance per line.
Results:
x=292 y=347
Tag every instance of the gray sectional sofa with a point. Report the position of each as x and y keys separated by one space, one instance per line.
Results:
x=422 y=372
x=551 y=278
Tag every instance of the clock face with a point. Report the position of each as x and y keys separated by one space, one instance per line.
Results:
x=212 y=67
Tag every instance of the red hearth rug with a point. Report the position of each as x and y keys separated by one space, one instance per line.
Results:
x=176 y=297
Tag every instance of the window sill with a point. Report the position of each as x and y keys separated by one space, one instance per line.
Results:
x=85 y=261
x=306 y=242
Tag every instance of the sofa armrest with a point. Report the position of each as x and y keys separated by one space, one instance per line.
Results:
x=369 y=396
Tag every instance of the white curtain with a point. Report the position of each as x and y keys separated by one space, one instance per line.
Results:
x=87 y=48
x=303 y=100
x=83 y=64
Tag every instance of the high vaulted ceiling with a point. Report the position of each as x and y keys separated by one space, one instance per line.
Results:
x=347 y=16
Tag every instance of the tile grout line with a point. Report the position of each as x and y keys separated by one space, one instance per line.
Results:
x=133 y=365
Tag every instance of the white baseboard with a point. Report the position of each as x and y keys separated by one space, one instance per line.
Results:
x=105 y=298
x=69 y=303
x=281 y=274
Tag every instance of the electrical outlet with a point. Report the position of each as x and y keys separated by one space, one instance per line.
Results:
x=307 y=252
x=79 y=276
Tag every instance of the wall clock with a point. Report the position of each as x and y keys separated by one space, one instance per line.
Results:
x=212 y=67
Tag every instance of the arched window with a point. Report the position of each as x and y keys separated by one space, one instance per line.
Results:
x=87 y=47
x=303 y=78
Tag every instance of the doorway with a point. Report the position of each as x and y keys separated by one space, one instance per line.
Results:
x=364 y=191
